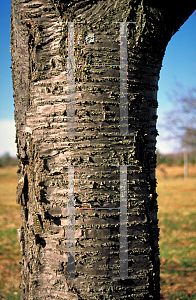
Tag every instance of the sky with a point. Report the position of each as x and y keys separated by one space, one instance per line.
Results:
x=178 y=66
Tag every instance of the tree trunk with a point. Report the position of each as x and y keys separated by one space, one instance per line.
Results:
x=186 y=164
x=87 y=189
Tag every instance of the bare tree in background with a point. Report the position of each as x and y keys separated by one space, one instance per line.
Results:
x=180 y=122
x=86 y=189
x=183 y=118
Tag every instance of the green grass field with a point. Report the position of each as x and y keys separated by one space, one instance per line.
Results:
x=9 y=246
x=177 y=221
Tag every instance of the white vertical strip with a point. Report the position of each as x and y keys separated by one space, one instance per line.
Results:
x=70 y=81
x=123 y=223
x=71 y=225
x=123 y=79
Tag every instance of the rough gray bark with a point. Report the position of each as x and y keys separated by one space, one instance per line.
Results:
x=39 y=62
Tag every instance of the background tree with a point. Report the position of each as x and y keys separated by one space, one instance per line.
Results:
x=182 y=118
x=181 y=122
x=7 y=160
x=108 y=165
